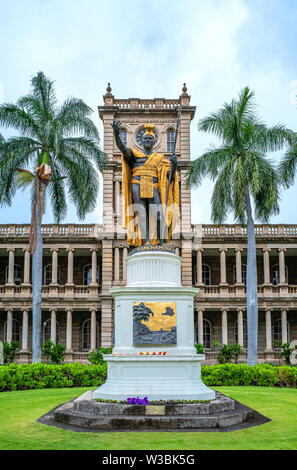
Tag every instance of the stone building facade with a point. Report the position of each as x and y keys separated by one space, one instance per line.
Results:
x=82 y=262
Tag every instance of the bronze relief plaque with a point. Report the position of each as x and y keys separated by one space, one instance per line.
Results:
x=154 y=323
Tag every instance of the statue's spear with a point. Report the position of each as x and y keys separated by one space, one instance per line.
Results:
x=171 y=172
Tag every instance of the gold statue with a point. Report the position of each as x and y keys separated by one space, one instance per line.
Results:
x=150 y=191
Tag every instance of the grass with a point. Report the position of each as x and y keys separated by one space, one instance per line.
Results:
x=20 y=431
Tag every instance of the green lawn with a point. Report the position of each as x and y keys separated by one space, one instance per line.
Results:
x=20 y=410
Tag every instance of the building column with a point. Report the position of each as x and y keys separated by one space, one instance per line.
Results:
x=10 y=277
x=284 y=327
x=240 y=326
x=69 y=330
x=9 y=326
x=199 y=266
x=282 y=269
x=282 y=272
x=268 y=330
x=25 y=331
x=200 y=326
x=224 y=326
x=26 y=266
x=223 y=265
x=70 y=266
x=117 y=198
x=54 y=266
x=238 y=266
x=125 y=254
x=177 y=251
x=93 y=329
x=116 y=264
x=53 y=326
x=266 y=266
x=94 y=266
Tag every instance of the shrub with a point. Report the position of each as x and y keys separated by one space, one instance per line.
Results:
x=36 y=376
x=53 y=352
x=9 y=351
x=286 y=352
x=227 y=353
x=236 y=350
x=199 y=348
x=33 y=376
x=264 y=375
x=96 y=357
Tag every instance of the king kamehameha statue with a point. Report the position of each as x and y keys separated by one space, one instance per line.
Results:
x=150 y=191
x=153 y=310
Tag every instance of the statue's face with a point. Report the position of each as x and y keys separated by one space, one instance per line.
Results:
x=148 y=141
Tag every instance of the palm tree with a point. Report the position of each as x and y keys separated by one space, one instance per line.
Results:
x=243 y=176
x=61 y=146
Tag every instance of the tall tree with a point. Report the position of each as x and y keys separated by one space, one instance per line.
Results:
x=58 y=151
x=245 y=178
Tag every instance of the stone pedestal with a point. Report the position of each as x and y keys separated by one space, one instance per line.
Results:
x=154 y=279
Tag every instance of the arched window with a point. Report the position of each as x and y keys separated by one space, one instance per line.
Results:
x=17 y=274
x=47 y=331
x=48 y=275
x=276 y=276
x=87 y=275
x=206 y=274
x=16 y=331
x=277 y=331
x=123 y=136
x=170 y=140
x=245 y=337
x=243 y=273
x=206 y=333
x=86 y=335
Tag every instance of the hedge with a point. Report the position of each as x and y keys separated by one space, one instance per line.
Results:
x=34 y=376
x=263 y=375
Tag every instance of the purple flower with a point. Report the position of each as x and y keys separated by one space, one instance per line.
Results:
x=138 y=401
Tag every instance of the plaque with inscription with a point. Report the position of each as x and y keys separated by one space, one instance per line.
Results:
x=155 y=410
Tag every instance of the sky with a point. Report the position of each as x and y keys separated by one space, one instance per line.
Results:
x=148 y=49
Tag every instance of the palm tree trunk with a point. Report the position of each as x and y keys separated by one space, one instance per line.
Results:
x=251 y=286
x=37 y=292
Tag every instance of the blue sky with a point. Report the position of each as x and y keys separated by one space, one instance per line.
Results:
x=148 y=49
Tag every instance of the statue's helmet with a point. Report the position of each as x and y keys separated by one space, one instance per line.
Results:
x=149 y=130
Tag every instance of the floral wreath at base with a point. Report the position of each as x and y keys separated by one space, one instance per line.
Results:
x=159 y=353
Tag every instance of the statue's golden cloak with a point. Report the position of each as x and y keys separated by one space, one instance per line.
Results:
x=156 y=165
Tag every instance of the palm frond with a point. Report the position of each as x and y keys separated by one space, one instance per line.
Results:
x=24 y=178
x=209 y=164
x=288 y=166
x=89 y=149
x=13 y=116
x=221 y=200
x=43 y=90
x=239 y=182
x=245 y=105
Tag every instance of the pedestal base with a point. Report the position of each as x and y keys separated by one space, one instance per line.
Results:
x=156 y=377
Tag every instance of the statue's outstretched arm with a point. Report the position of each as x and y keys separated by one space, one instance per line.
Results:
x=127 y=153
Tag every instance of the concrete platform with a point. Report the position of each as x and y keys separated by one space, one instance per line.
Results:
x=85 y=414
